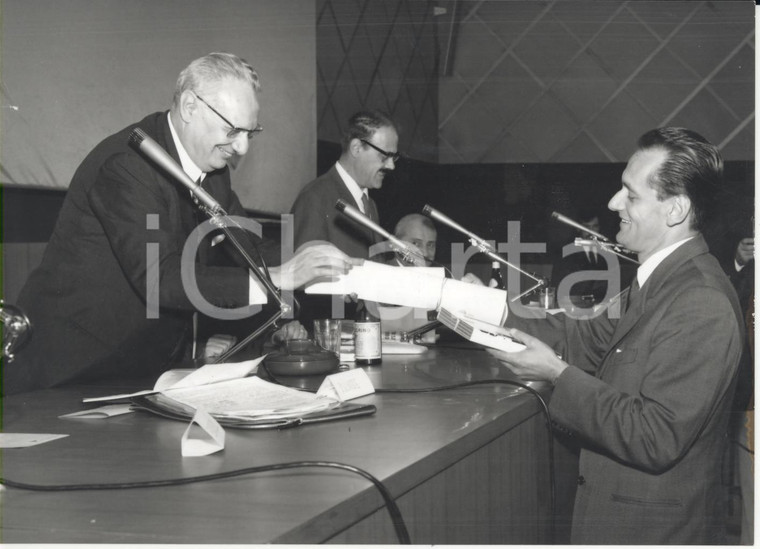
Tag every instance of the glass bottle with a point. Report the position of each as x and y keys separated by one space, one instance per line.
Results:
x=368 y=337
x=496 y=280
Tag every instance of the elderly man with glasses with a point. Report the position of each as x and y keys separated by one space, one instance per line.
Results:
x=110 y=299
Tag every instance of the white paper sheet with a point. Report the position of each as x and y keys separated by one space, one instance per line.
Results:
x=24 y=440
x=203 y=446
x=478 y=302
x=101 y=412
x=418 y=287
x=411 y=286
x=346 y=385
x=250 y=397
x=186 y=377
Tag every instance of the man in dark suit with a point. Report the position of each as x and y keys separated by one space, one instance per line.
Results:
x=647 y=393
x=369 y=152
x=110 y=298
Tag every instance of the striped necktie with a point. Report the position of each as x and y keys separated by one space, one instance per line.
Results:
x=367 y=207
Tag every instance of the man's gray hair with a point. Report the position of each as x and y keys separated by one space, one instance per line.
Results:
x=213 y=68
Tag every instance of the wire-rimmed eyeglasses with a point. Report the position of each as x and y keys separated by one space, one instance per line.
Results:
x=234 y=130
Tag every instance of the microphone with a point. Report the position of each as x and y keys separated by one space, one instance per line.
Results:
x=438 y=216
x=567 y=221
x=598 y=240
x=409 y=254
x=155 y=152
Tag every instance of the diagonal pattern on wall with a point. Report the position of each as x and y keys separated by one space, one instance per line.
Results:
x=379 y=54
x=578 y=81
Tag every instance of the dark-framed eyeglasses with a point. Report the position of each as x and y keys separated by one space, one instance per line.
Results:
x=234 y=130
x=386 y=155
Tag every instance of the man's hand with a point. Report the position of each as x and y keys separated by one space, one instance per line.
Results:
x=218 y=344
x=317 y=259
x=537 y=362
x=291 y=330
x=745 y=251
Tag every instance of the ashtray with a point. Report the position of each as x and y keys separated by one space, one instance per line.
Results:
x=300 y=357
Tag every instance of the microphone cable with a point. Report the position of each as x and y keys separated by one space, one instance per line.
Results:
x=531 y=390
x=399 y=525
x=547 y=418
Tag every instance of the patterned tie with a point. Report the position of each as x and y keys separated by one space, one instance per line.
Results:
x=366 y=206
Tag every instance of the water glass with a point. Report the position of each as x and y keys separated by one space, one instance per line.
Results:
x=327 y=334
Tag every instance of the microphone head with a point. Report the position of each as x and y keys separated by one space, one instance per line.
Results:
x=555 y=215
x=427 y=210
x=341 y=205
x=137 y=137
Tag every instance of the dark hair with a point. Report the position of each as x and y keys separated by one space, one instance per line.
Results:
x=693 y=168
x=363 y=125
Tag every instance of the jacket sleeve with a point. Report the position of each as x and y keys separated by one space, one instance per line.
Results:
x=310 y=219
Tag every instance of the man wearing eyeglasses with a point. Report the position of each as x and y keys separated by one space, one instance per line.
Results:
x=369 y=153
x=109 y=299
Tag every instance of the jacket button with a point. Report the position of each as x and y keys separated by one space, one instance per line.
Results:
x=581 y=480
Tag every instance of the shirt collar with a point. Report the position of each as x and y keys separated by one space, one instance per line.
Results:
x=646 y=269
x=353 y=187
x=189 y=167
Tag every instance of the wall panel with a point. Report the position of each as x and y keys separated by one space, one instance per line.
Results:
x=579 y=81
x=75 y=71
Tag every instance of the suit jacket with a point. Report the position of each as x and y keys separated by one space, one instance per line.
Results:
x=651 y=416
x=316 y=218
x=87 y=300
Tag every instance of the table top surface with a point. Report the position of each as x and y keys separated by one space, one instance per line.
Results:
x=411 y=437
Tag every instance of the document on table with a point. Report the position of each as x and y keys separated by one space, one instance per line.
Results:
x=185 y=377
x=24 y=440
x=249 y=397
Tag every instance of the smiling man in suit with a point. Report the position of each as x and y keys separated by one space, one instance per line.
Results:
x=100 y=305
x=647 y=393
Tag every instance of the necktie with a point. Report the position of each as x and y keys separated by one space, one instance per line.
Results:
x=198 y=182
x=633 y=293
x=366 y=206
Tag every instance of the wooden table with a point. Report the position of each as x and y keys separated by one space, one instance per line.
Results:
x=466 y=466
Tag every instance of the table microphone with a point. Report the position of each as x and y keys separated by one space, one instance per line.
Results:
x=400 y=246
x=438 y=216
x=567 y=221
x=155 y=152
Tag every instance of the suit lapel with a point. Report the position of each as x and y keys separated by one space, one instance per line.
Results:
x=652 y=287
x=346 y=195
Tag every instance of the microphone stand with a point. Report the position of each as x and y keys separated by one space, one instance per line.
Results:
x=597 y=239
x=218 y=217
x=605 y=246
x=485 y=247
